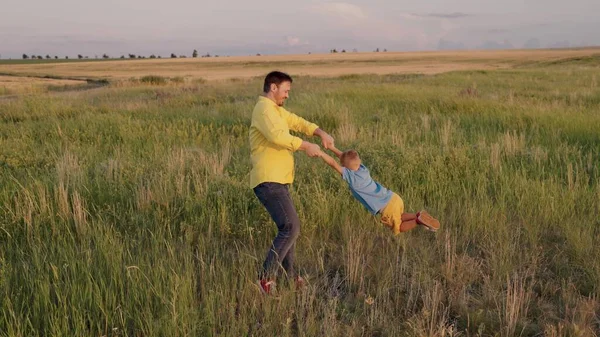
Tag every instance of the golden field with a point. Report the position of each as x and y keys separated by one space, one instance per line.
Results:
x=218 y=68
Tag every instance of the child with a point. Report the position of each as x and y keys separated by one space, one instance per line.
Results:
x=376 y=198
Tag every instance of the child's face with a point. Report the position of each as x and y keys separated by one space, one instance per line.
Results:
x=352 y=164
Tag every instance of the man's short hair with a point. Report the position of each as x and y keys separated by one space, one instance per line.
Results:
x=275 y=77
x=349 y=155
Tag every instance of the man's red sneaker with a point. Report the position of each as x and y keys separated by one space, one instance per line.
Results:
x=300 y=282
x=266 y=286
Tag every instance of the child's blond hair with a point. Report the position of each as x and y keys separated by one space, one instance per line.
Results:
x=348 y=157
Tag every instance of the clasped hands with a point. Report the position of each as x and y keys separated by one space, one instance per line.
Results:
x=313 y=150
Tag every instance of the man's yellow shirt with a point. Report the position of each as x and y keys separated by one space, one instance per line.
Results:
x=272 y=146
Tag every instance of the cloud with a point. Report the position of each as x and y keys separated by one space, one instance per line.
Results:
x=560 y=44
x=342 y=10
x=369 y=27
x=450 y=45
x=293 y=41
x=533 y=43
x=496 y=45
x=455 y=15
x=498 y=31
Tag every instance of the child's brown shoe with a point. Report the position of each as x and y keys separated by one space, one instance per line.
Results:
x=425 y=219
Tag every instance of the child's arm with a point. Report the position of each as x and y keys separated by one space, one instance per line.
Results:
x=337 y=152
x=331 y=162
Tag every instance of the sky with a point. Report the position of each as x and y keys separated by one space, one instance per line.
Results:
x=248 y=27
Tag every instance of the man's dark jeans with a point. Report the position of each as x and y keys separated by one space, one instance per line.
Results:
x=278 y=202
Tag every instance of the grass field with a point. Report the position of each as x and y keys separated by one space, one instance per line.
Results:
x=125 y=210
x=32 y=85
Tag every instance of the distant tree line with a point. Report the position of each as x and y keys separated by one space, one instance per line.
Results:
x=335 y=51
x=153 y=56
x=106 y=56
x=173 y=55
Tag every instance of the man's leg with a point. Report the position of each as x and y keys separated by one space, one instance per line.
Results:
x=288 y=262
x=278 y=202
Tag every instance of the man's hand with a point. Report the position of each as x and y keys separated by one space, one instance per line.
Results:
x=312 y=150
x=327 y=140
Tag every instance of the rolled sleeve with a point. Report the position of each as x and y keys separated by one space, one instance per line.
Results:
x=311 y=128
x=299 y=124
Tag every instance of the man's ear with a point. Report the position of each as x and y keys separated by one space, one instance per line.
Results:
x=273 y=87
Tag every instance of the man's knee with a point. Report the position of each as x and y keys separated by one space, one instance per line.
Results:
x=291 y=228
x=296 y=229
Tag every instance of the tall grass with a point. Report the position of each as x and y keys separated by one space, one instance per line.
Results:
x=125 y=210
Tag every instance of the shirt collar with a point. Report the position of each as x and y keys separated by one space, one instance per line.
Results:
x=267 y=100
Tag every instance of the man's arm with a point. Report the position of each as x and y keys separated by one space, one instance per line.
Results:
x=299 y=124
x=331 y=162
x=273 y=128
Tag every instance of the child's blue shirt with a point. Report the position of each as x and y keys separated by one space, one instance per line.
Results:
x=369 y=192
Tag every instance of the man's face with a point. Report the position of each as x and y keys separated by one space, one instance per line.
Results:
x=282 y=92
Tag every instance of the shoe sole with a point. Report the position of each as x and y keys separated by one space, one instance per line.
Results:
x=430 y=223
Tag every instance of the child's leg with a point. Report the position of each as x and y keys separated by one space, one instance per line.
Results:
x=409 y=216
x=408 y=225
x=409 y=221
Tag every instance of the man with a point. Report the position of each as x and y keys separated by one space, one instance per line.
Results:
x=272 y=147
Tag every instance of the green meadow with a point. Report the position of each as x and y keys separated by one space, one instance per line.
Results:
x=126 y=210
